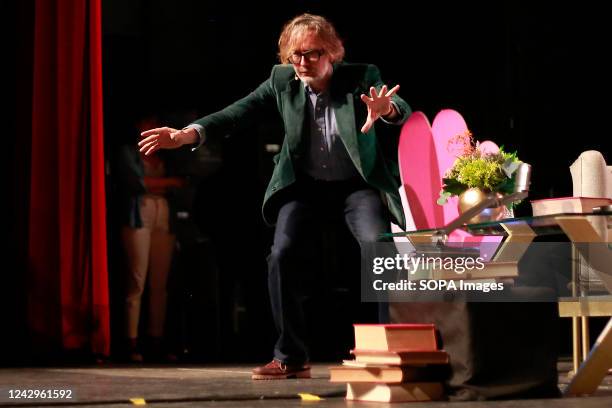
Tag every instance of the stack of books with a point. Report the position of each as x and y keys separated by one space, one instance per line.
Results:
x=393 y=363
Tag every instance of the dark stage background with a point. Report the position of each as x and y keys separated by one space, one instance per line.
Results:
x=532 y=78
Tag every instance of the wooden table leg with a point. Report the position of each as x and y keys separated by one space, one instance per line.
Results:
x=575 y=345
x=595 y=367
x=586 y=341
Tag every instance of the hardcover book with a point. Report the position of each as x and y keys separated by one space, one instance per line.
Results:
x=401 y=357
x=420 y=391
x=388 y=337
x=373 y=373
x=568 y=205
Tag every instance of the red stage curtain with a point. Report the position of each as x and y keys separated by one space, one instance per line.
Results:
x=68 y=305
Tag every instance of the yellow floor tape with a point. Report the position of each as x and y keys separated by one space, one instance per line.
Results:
x=309 y=397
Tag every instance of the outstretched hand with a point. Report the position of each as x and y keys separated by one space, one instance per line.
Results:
x=379 y=104
x=165 y=138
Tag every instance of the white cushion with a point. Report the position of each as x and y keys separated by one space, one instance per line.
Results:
x=590 y=175
x=592 y=178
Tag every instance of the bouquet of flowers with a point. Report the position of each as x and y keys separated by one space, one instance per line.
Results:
x=478 y=165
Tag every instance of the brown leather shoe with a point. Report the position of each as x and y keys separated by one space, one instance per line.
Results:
x=275 y=370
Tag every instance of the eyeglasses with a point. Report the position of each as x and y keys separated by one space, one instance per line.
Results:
x=310 y=56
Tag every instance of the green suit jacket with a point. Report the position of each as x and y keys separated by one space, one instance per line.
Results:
x=287 y=93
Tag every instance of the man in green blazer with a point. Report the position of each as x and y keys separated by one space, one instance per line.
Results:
x=330 y=162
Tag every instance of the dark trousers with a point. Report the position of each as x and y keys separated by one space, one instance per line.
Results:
x=308 y=205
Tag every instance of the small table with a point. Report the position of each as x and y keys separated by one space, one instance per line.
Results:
x=517 y=234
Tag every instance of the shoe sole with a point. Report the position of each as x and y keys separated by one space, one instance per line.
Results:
x=299 y=374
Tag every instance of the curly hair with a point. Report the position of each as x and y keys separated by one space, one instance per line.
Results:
x=295 y=30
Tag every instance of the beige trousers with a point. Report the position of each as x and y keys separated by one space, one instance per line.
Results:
x=149 y=253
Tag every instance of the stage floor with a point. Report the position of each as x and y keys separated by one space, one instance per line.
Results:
x=219 y=386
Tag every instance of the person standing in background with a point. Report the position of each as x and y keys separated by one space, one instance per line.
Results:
x=148 y=241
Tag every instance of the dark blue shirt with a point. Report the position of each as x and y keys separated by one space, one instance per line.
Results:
x=326 y=156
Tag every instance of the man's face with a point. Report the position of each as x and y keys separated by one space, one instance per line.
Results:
x=313 y=73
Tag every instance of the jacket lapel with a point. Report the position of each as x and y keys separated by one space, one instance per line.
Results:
x=345 y=117
x=294 y=103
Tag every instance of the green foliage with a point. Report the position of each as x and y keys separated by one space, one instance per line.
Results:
x=488 y=172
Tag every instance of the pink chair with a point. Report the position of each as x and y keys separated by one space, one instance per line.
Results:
x=424 y=158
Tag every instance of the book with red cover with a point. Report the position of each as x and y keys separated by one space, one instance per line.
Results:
x=401 y=357
x=418 y=391
x=567 y=205
x=388 y=337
